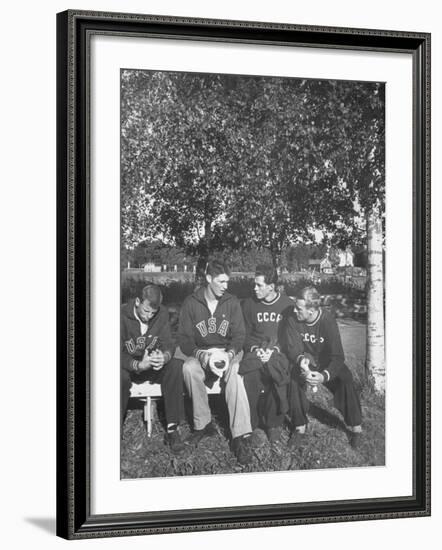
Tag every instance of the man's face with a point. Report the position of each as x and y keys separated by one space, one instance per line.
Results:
x=144 y=310
x=261 y=288
x=218 y=285
x=303 y=313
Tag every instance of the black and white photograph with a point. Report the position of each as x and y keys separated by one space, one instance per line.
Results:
x=243 y=275
x=218 y=275
x=252 y=270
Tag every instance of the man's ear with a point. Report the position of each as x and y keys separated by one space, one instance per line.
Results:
x=137 y=302
x=208 y=278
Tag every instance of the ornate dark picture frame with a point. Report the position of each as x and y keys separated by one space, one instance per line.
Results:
x=74 y=518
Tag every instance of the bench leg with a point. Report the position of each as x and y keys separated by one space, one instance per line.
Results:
x=148 y=415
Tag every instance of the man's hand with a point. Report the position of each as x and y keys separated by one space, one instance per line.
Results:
x=219 y=360
x=264 y=354
x=314 y=378
x=145 y=363
x=157 y=359
x=304 y=365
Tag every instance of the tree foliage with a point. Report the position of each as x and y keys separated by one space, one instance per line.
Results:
x=214 y=162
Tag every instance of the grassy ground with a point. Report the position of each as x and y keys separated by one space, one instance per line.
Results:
x=325 y=447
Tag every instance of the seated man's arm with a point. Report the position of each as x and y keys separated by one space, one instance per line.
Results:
x=167 y=343
x=251 y=341
x=332 y=358
x=237 y=330
x=186 y=337
x=129 y=360
x=136 y=362
x=291 y=340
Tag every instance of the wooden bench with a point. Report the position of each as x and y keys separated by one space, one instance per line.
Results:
x=149 y=390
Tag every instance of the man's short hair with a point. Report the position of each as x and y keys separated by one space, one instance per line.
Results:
x=217 y=267
x=310 y=295
x=152 y=293
x=268 y=272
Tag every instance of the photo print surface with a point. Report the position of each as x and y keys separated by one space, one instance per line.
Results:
x=252 y=276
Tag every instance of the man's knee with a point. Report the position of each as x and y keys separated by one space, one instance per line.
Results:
x=233 y=368
x=252 y=379
x=234 y=365
x=294 y=372
x=173 y=370
x=192 y=369
x=296 y=381
x=345 y=376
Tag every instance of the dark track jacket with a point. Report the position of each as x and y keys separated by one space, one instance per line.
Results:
x=263 y=320
x=133 y=343
x=320 y=339
x=199 y=330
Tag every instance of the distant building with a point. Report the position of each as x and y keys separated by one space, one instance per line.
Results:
x=346 y=258
x=324 y=265
x=314 y=264
x=151 y=267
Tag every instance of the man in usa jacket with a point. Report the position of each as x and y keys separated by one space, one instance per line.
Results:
x=147 y=353
x=211 y=336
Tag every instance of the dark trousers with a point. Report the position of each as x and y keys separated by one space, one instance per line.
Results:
x=345 y=398
x=263 y=400
x=171 y=379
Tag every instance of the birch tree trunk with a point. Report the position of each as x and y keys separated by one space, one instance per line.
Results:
x=375 y=362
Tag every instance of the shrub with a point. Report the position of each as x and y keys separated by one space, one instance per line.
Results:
x=175 y=291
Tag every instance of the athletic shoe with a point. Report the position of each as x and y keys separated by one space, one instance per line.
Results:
x=296 y=439
x=355 y=439
x=208 y=431
x=242 y=450
x=274 y=434
x=257 y=439
x=176 y=444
